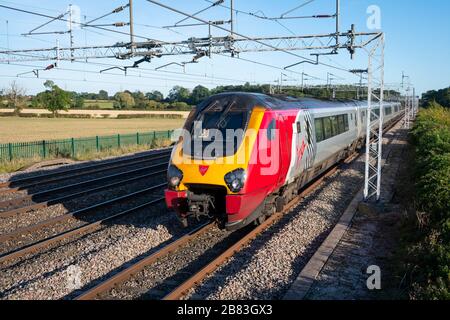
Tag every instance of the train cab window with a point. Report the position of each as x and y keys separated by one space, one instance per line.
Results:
x=210 y=125
x=271 y=130
x=319 y=130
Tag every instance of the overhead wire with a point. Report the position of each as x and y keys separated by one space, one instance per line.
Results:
x=244 y=36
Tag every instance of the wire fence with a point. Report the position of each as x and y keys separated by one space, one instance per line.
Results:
x=78 y=146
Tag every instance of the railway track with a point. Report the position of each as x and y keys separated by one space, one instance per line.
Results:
x=19 y=184
x=81 y=230
x=129 y=272
x=39 y=196
x=182 y=289
x=78 y=190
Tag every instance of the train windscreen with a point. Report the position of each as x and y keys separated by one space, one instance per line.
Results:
x=217 y=127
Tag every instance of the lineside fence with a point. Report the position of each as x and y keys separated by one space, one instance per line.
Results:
x=78 y=146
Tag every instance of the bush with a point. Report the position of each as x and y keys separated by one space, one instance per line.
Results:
x=429 y=245
x=150 y=116
x=50 y=115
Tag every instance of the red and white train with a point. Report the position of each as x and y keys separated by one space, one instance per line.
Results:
x=242 y=156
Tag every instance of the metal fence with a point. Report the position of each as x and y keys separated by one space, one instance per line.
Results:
x=77 y=146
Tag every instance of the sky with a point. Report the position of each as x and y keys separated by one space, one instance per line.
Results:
x=416 y=31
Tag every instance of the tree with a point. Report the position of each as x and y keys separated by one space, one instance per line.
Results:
x=442 y=97
x=155 y=95
x=103 y=95
x=15 y=95
x=124 y=100
x=199 y=94
x=179 y=94
x=77 y=101
x=140 y=100
x=54 y=98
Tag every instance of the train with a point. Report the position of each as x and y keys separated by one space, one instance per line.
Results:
x=242 y=156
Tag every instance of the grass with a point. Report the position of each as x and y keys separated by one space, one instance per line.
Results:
x=424 y=259
x=102 y=104
x=15 y=129
x=17 y=164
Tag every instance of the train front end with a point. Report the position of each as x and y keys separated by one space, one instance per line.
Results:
x=208 y=175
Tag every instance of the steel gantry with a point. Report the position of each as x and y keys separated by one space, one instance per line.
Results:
x=235 y=43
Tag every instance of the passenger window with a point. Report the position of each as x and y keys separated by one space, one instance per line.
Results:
x=299 y=127
x=341 y=124
x=319 y=129
x=334 y=123
x=327 y=128
x=346 y=122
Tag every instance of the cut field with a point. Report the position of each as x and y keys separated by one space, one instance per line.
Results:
x=15 y=129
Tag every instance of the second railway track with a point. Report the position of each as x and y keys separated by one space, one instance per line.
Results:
x=32 y=237
x=45 y=178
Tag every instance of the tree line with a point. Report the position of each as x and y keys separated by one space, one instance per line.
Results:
x=441 y=97
x=56 y=99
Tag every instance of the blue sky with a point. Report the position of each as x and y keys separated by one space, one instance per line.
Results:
x=417 y=42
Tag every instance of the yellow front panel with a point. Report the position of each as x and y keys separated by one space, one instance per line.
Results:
x=219 y=167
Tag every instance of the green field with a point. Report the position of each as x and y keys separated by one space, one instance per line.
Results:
x=15 y=129
x=102 y=104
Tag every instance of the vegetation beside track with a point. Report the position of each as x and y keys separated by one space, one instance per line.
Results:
x=425 y=245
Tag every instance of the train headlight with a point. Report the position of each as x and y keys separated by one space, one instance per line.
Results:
x=174 y=176
x=235 y=180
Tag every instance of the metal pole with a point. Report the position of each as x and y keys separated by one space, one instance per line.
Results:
x=381 y=119
x=7 y=37
x=131 y=27
x=71 y=34
x=407 y=109
x=368 y=120
x=232 y=18
x=337 y=21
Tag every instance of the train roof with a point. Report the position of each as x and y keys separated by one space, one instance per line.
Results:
x=280 y=102
x=247 y=101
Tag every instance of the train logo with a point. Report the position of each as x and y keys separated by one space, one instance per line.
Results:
x=203 y=169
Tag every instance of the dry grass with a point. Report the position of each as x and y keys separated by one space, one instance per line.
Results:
x=17 y=164
x=15 y=129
